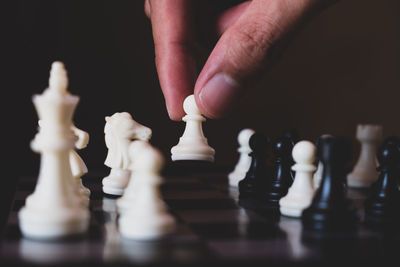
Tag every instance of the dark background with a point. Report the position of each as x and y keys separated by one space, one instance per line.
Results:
x=340 y=70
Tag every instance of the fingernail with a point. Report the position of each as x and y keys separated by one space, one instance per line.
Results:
x=219 y=94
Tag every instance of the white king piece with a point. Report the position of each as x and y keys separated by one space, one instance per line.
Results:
x=53 y=210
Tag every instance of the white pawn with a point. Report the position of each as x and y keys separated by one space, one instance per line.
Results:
x=243 y=164
x=318 y=175
x=78 y=166
x=364 y=172
x=53 y=210
x=120 y=130
x=301 y=192
x=133 y=187
x=147 y=217
x=192 y=145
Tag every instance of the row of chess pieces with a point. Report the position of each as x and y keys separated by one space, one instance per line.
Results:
x=59 y=205
x=310 y=180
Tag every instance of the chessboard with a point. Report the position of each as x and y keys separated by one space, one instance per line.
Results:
x=212 y=228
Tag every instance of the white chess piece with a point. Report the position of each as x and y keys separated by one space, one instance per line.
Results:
x=147 y=217
x=53 y=210
x=78 y=166
x=318 y=175
x=120 y=130
x=301 y=192
x=243 y=164
x=132 y=189
x=192 y=145
x=364 y=172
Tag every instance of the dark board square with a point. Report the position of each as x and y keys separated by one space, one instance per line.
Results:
x=196 y=194
x=208 y=216
x=251 y=230
x=182 y=204
x=12 y=232
x=184 y=186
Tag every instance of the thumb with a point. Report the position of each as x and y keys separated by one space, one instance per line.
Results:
x=246 y=47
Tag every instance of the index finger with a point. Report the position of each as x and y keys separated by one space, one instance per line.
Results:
x=172 y=27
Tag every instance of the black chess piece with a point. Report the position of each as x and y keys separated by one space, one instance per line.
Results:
x=294 y=136
x=282 y=177
x=330 y=209
x=318 y=142
x=254 y=184
x=383 y=205
x=396 y=141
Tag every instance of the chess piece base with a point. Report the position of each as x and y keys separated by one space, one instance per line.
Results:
x=116 y=182
x=361 y=179
x=293 y=207
x=193 y=152
x=44 y=225
x=344 y=219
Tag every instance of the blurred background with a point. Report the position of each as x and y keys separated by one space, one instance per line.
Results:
x=340 y=70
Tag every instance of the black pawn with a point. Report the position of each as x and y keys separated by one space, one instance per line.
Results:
x=330 y=209
x=382 y=208
x=318 y=144
x=396 y=141
x=294 y=136
x=282 y=177
x=254 y=184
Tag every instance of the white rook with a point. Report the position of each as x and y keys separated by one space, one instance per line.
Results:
x=364 y=172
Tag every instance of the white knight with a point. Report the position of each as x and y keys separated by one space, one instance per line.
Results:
x=120 y=130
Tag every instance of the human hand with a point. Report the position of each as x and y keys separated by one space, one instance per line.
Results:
x=250 y=35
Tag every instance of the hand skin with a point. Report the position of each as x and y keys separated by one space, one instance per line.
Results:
x=244 y=38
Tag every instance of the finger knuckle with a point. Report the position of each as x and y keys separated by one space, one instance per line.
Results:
x=250 y=44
